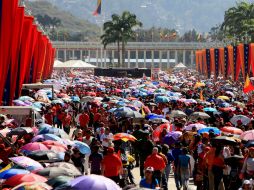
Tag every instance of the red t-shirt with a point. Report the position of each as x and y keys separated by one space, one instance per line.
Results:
x=155 y=161
x=83 y=120
x=97 y=117
x=112 y=165
x=49 y=118
x=67 y=120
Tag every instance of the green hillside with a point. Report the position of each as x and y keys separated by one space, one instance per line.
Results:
x=70 y=27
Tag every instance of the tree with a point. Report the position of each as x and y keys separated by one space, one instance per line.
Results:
x=120 y=30
x=239 y=21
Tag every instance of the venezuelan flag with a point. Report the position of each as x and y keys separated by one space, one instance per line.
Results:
x=248 y=87
x=98 y=9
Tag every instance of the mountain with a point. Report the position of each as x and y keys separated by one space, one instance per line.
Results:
x=182 y=15
x=69 y=23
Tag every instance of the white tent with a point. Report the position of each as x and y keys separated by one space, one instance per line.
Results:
x=75 y=64
x=57 y=62
x=180 y=66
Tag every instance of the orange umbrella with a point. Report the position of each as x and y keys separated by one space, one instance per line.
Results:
x=124 y=136
x=231 y=130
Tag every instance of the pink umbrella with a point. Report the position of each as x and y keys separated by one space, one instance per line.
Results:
x=58 y=148
x=34 y=147
x=50 y=143
x=231 y=130
x=247 y=135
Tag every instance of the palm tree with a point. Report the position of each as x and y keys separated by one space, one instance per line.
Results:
x=120 y=30
x=239 y=20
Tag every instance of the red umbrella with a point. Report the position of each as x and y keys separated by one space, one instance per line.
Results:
x=159 y=129
x=231 y=130
x=124 y=136
x=21 y=178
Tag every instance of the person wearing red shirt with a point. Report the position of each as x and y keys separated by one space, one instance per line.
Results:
x=83 y=120
x=67 y=122
x=157 y=162
x=111 y=165
x=49 y=117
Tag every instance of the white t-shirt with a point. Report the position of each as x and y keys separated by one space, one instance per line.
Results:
x=104 y=137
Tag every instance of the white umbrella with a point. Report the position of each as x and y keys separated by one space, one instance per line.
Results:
x=244 y=119
x=201 y=115
x=177 y=113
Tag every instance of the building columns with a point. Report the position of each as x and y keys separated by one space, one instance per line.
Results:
x=145 y=66
x=97 y=54
x=160 y=63
x=184 y=57
x=129 y=55
x=65 y=52
x=176 y=57
x=81 y=54
x=152 y=64
x=192 y=58
x=168 y=59
x=136 y=59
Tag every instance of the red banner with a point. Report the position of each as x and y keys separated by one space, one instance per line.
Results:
x=8 y=11
x=15 y=49
x=25 y=51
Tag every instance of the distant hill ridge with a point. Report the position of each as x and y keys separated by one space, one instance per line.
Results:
x=69 y=22
x=182 y=15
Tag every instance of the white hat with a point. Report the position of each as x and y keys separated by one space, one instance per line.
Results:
x=246 y=182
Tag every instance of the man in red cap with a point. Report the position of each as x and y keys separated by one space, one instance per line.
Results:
x=111 y=165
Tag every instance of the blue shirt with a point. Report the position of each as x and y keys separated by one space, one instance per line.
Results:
x=184 y=161
x=149 y=186
x=175 y=153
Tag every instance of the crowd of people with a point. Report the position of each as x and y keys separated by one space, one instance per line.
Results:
x=181 y=125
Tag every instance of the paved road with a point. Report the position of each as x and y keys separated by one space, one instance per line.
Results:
x=171 y=184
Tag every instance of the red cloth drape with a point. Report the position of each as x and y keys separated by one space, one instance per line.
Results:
x=212 y=62
x=8 y=11
x=32 y=50
x=251 y=57
x=221 y=61
x=231 y=61
x=15 y=49
x=239 y=61
x=24 y=51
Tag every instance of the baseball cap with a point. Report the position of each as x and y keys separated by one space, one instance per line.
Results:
x=150 y=169
x=246 y=182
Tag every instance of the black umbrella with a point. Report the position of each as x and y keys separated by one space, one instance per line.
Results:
x=58 y=181
x=223 y=140
x=45 y=156
x=249 y=144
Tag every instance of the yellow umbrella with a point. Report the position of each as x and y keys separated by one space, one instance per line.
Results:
x=199 y=84
x=223 y=97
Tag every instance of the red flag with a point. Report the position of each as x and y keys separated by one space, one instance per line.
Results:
x=8 y=12
x=248 y=87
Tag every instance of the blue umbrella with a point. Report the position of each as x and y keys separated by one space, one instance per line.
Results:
x=83 y=147
x=56 y=131
x=224 y=105
x=12 y=172
x=112 y=110
x=45 y=137
x=153 y=116
x=210 y=129
x=75 y=99
x=209 y=109
x=162 y=99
